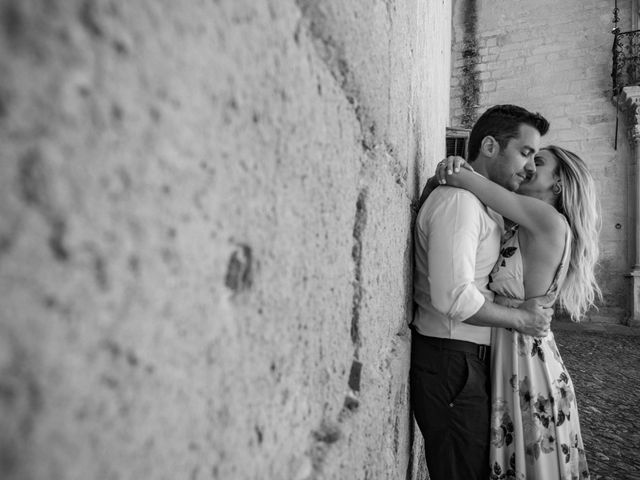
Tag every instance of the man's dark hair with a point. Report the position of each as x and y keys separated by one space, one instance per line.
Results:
x=502 y=122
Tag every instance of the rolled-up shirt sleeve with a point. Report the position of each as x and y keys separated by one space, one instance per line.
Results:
x=454 y=231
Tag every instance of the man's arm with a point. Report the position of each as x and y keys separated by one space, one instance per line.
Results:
x=531 y=318
x=453 y=226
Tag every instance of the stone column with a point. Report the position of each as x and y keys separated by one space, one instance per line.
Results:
x=629 y=103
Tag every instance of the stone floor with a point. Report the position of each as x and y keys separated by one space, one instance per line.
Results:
x=604 y=363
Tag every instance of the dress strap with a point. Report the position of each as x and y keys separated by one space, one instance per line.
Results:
x=561 y=271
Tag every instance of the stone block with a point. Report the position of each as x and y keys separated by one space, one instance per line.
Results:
x=206 y=234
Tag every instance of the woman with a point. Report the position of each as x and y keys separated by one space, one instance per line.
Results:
x=550 y=252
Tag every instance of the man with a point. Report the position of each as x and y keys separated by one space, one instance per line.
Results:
x=457 y=242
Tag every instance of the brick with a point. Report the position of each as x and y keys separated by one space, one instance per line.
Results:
x=545 y=49
x=491 y=42
x=489 y=86
x=562 y=123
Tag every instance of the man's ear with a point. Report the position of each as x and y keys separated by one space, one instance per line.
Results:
x=489 y=146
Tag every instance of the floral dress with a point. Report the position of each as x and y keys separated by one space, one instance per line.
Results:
x=535 y=431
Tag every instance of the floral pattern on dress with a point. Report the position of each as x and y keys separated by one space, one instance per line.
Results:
x=535 y=430
x=509 y=474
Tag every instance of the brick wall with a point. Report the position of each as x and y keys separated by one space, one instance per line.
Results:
x=205 y=239
x=555 y=58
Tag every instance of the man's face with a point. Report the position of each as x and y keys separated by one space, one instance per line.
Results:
x=515 y=163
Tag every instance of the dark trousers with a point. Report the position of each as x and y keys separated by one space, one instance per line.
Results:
x=450 y=399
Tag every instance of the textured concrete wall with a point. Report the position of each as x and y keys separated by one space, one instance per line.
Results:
x=555 y=58
x=205 y=234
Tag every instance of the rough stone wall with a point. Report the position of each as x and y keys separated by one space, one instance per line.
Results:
x=205 y=234
x=555 y=58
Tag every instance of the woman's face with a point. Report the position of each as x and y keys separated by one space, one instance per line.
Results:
x=541 y=183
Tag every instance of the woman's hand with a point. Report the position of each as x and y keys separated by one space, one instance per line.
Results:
x=449 y=166
x=446 y=167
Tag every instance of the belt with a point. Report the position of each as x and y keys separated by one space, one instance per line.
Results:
x=482 y=351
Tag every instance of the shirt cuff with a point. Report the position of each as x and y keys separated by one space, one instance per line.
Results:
x=466 y=304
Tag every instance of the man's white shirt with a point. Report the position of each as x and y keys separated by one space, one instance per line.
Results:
x=457 y=242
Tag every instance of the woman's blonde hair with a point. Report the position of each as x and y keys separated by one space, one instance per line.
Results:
x=579 y=204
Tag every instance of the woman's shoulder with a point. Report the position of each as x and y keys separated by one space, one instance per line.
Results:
x=558 y=225
x=551 y=228
x=546 y=220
